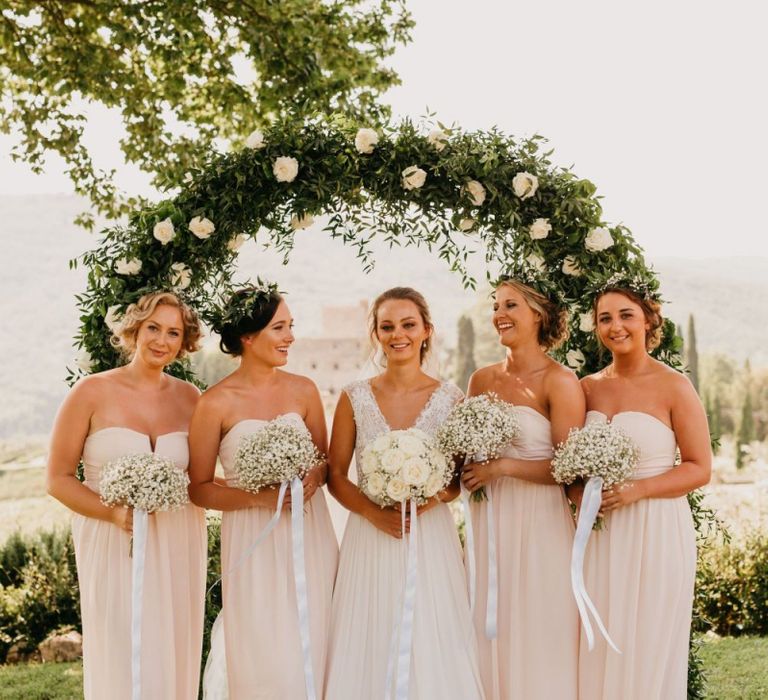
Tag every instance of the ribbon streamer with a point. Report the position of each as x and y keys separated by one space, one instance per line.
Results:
x=469 y=534
x=590 y=505
x=140 y=522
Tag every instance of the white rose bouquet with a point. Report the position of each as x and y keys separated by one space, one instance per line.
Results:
x=276 y=453
x=481 y=425
x=145 y=482
x=401 y=465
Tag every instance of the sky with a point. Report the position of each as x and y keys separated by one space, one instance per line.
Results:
x=658 y=103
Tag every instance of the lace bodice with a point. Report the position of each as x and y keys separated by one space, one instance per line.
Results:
x=370 y=421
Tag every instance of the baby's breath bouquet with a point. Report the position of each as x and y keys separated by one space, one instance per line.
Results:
x=276 y=453
x=401 y=465
x=145 y=482
x=482 y=425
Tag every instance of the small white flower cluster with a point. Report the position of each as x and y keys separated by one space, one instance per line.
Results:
x=597 y=449
x=403 y=464
x=275 y=453
x=144 y=482
x=483 y=424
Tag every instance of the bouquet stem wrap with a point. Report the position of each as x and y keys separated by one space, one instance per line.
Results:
x=590 y=505
x=140 y=522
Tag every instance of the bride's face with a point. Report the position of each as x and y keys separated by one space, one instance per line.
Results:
x=621 y=324
x=401 y=331
x=160 y=336
x=270 y=345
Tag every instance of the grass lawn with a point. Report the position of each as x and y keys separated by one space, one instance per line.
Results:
x=737 y=669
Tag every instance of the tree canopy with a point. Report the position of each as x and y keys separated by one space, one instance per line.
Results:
x=185 y=75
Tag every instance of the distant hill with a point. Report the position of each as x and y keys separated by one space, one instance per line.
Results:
x=39 y=316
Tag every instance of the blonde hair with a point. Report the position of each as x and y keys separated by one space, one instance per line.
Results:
x=553 y=329
x=651 y=310
x=404 y=294
x=126 y=331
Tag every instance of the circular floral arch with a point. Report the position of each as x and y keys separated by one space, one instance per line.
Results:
x=449 y=190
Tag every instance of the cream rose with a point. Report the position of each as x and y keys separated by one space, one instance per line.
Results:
x=124 y=266
x=83 y=360
x=433 y=485
x=476 y=192
x=536 y=262
x=574 y=359
x=598 y=239
x=301 y=222
x=380 y=444
x=392 y=460
x=571 y=267
x=113 y=316
x=234 y=244
x=410 y=445
x=366 y=140
x=285 y=169
x=255 y=140
x=181 y=275
x=525 y=185
x=397 y=489
x=164 y=231
x=415 y=472
x=540 y=228
x=374 y=485
x=368 y=463
x=438 y=139
x=413 y=177
x=586 y=323
x=201 y=227
x=466 y=225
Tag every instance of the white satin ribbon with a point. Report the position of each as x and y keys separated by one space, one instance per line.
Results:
x=300 y=581
x=140 y=522
x=469 y=534
x=404 y=627
x=590 y=505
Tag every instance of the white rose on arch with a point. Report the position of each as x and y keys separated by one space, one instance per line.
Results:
x=124 y=266
x=438 y=139
x=598 y=239
x=366 y=140
x=476 y=192
x=525 y=185
x=571 y=266
x=113 y=316
x=575 y=359
x=201 y=227
x=536 y=262
x=285 y=169
x=234 y=244
x=83 y=360
x=466 y=225
x=255 y=140
x=164 y=231
x=413 y=177
x=540 y=228
x=586 y=323
x=181 y=276
x=301 y=222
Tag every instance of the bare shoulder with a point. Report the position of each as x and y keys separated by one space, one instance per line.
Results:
x=559 y=376
x=215 y=395
x=482 y=379
x=95 y=385
x=186 y=391
x=298 y=384
x=672 y=380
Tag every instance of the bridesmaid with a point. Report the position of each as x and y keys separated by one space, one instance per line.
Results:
x=367 y=597
x=136 y=408
x=261 y=626
x=535 y=653
x=640 y=568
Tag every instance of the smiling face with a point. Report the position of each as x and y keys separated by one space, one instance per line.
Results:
x=401 y=331
x=514 y=320
x=270 y=345
x=621 y=324
x=160 y=336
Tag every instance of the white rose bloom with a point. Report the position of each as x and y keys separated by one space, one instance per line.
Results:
x=181 y=275
x=476 y=192
x=536 y=262
x=374 y=484
x=285 y=169
x=366 y=140
x=574 y=359
x=234 y=244
x=83 y=360
x=392 y=460
x=381 y=443
x=410 y=445
x=164 y=231
x=433 y=485
x=368 y=463
x=415 y=472
x=413 y=177
x=586 y=323
x=425 y=437
x=598 y=239
x=113 y=316
x=571 y=267
x=540 y=228
x=201 y=227
x=397 y=489
x=124 y=266
x=255 y=140
x=466 y=224
x=301 y=222
x=438 y=139
x=525 y=185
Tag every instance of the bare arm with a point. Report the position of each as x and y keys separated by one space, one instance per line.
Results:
x=339 y=484
x=204 y=490
x=67 y=440
x=315 y=421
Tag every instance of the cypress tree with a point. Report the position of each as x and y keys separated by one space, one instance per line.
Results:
x=465 y=352
x=692 y=353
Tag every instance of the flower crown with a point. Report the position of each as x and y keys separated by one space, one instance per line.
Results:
x=530 y=277
x=243 y=303
x=645 y=287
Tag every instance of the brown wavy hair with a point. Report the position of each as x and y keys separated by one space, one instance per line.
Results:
x=651 y=310
x=404 y=294
x=553 y=329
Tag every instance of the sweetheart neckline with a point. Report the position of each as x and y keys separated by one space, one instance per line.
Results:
x=260 y=420
x=152 y=443
x=640 y=413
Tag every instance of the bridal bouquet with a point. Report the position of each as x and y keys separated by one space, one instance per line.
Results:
x=402 y=465
x=276 y=453
x=482 y=425
x=145 y=482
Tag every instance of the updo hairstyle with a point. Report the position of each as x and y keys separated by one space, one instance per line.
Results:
x=553 y=329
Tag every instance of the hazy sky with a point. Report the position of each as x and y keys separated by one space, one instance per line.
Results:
x=659 y=103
